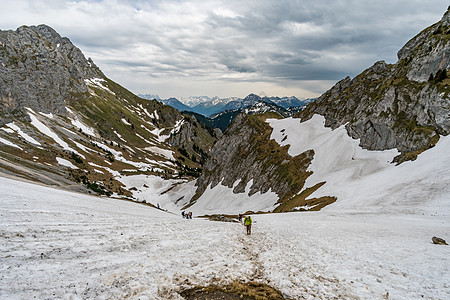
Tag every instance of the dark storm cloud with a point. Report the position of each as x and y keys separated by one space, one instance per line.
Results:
x=240 y=68
x=242 y=41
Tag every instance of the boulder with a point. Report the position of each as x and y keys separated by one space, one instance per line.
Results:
x=438 y=241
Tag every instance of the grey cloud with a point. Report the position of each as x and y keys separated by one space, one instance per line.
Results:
x=282 y=41
x=241 y=68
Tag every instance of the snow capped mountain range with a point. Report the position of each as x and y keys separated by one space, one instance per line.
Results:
x=211 y=106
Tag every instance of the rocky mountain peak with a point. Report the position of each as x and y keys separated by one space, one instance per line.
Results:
x=40 y=70
x=252 y=97
x=402 y=105
x=446 y=17
x=47 y=32
x=428 y=52
x=379 y=66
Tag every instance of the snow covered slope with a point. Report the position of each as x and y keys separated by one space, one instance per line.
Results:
x=360 y=179
x=366 y=180
x=62 y=245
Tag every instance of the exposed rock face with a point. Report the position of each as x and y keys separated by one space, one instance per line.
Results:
x=427 y=55
x=41 y=70
x=194 y=139
x=398 y=106
x=246 y=153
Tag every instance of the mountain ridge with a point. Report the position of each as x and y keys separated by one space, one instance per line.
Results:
x=381 y=108
x=81 y=129
x=212 y=106
x=397 y=105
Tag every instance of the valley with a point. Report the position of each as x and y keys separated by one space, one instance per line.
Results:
x=347 y=191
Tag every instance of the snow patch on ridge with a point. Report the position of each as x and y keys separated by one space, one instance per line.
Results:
x=80 y=125
x=157 y=132
x=25 y=136
x=98 y=82
x=8 y=143
x=124 y=121
x=66 y=163
x=162 y=152
x=177 y=126
x=45 y=130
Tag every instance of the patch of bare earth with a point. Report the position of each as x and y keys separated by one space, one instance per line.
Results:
x=313 y=204
x=236 y=290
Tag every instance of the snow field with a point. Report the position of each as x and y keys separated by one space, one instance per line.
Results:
x=62 y=245
x=322 y=255
x=222 y=200
x=366 y=180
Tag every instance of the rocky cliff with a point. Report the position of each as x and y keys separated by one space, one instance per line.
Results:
x=40 y=70
x=403 y=105
x=247 y=154
x=193 y=141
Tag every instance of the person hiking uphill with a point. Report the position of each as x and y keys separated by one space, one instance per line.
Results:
x=248 y=224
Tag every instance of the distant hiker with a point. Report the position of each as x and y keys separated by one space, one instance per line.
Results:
x=240 y=218
x=190 y=215
x=248 y=224
x=182 y=214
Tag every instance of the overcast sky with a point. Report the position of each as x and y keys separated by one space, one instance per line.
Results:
x=230 y=48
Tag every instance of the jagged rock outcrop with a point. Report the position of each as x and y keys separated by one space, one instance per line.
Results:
x=246 y=153
x=193 y=139
x=428 y=51
x=403 y=105
x=41 y=70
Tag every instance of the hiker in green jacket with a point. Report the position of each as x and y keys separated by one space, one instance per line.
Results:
x=248 y=224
